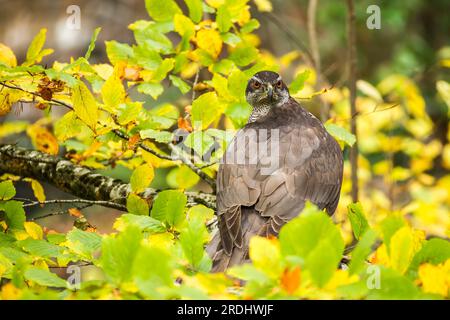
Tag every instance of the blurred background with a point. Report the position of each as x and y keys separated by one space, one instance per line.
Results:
x=409 y=48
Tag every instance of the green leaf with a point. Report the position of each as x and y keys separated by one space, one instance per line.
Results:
x=238 y=113
x=152 y=271
x=152 y=38
x=157 y=135
x=12 y=254
x=361 y=251
x=119 y=253
x=357 y=219
x=40 y=248
x=250 y=26
x=307 y=235
x=118 y=51
x=141 y=178
x=434 y=251
x=205 y=109
x=147 y=57
x=15 y=214
x=299 y=82
x=161 y=73
x=180 y=84
x=161 y=10
x=84 y=105
x=389 y=226
x=237 y=82
x=248 y=272
x=34 y=53
x=322 y=262
x=192 y=240
x=169 y=207
x=128 y=112
x=201 y=212
x=230 y=39
x=199 y=141
x=223 y=19
x=137 y=205
x=393 y=286
x=340 y=134
x=7 y=190
x=92 y=43
x=243 y=55
x=83 y=243
x=195 y=9
x=152 y=89
x=182 y=178
x=144 y=223
x=68 y=126
x=44 y=278
x=5 y=266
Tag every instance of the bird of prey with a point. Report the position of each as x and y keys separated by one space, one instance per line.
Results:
x=282 y=158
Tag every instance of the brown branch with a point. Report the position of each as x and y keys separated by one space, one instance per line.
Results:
x=312 y=35
x=103 y=203
x=77 y=180
x=352 y=85
x=122 y=135
x=178 y=156
x=58 y=102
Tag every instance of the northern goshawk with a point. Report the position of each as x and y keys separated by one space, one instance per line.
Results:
x=282 y=158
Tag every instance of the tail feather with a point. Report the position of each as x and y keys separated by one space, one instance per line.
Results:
x=252 y=224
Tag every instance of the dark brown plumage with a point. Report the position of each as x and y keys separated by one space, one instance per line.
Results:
x=254 y=198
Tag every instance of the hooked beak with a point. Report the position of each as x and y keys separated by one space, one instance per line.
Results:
x=270 y=92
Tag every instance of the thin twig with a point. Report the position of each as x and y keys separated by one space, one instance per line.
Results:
x=59 y=213
x=58 y=102
x=274 y=19
x=179 y=156
x=90 y=202
x=352 y=85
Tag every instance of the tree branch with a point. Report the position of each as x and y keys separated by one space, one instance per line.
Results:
x=179 y=156
x=77 y=180
x=352 y=85
x=122 y=135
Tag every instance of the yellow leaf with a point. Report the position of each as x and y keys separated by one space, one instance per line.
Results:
x=435 y=278
x=43 y=140
x=34 y=230
x=38 y=190
x=10 y=292
x=263 y=5
x=113 y=92
x=7 y=56
x=244 y=16
x=215 y=3
x=141 y=178
x=103 y=70
x=7 y=98
x=403 y=246
x=13 y=127
x=210 y=41
x=265 y=255
x=183 y=25
x=443 y=89
x=84 y=105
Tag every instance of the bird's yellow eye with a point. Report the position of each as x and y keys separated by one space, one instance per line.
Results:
x=279 y=84
x=256 y=85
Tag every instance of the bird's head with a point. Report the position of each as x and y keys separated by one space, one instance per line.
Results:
x=266 y=88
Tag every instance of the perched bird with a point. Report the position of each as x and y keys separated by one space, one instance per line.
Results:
x=282 y=158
